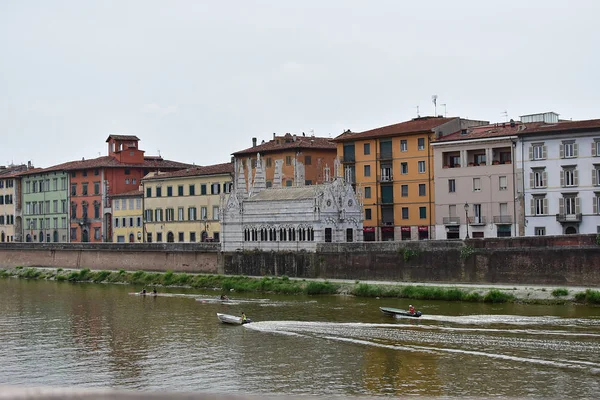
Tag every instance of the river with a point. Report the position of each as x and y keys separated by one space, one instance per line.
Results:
x=96 y=335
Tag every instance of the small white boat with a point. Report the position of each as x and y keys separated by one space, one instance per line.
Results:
x=232 y=319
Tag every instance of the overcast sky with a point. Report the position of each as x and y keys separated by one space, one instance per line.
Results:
x=196 y=80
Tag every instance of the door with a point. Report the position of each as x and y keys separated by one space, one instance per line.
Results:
x=85 y=236
x=477 y=213
x=131 y=238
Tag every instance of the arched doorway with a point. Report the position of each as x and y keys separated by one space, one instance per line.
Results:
x=2 y=237
x=41 y=236
x=131 y=238
x=203 y=236
x=55 y=234
x=571 y=230
x=85 y=236
x=170 y=237
x=28 y=237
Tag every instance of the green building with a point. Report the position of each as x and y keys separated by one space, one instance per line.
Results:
x=45 y=206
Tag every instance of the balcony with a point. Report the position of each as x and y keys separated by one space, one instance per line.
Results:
x=81 y=221
x=386 y=200
x=386 y=222
x=565 y=218
x=451 y=220
x=503 y=219
x=477 y=221
x=385 y=156
x=348 y=158
x=385 y=178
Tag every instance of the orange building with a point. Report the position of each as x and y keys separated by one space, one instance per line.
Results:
x=93 y=182
x=393 y=167
x=301 y=159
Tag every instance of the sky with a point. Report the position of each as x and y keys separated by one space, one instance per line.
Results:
x=197 y=80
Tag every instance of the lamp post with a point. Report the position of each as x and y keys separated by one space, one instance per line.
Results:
x=467 y=219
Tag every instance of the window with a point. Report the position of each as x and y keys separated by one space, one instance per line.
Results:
x=404 y=168
x=96 y=210
x=307 y=160
x=569 y=177
x=73 y=233
x=138 y=204
x=367 y=170
x=73 y=189
x=538 y=178
x=422 y=189
x=203 y=213
x=149 y=192
x=570 y=205
x=180 y=190
x=404 y=190
x=422 y=212
x=403 y=145
x=367 y=149
x=228 y=187
x=127 y=181
x=138 y=221
x=451 y=186
x=203 y=189
x=539 y=205
x=288 y=182
x=96 y=187
x=169 y=191
x=192 y=190
x=368 y=213
x=159 y=237
x=596 y=175
x=421 y=167
x=84 y=172
x=288 y=160
x=540 y=231
x=149 y=237
x=181 y=237
x=158 y=191
x=74 y=174
x=537 y=151
x=421 y=143
x=367 y=192
x=192 y=216
x=476 y=184
x=148 y=215
x=269 y=162
x=386 y=173
x=127 y=171
x=96 y=172
x=215 y=212
x=349 y=235
x=84 y=189
x=54 y=184
x=568 y=149
x=404 y=212
x=308 y=182
x=502 y=183
x=124 y=204
x=170 y=214
x=215 y=188
x=180 y=214
x=192 y=237
x=55 y=206
x=158 y=214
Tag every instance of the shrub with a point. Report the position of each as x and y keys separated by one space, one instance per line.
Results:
x=321 y=288
x=589 y=296
x=560 y=292
x=31 y=273
x=473 y=296
x=466 y=252
x=366 y=290
x=496 y=296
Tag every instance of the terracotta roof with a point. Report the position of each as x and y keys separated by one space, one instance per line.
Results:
x=217 y=169
x=132 y=193
x=287 y=142
x=561 y=126
x=417 y=125
x=15 y=170
x=483 y=131
x=122 y=137
x=110 y=162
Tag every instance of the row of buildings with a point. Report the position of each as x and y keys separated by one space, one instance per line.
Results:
x=427 y=178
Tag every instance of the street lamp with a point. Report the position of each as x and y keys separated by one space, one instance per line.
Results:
x=467 y=219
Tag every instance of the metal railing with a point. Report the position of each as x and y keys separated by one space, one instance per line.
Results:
x=569 y=217
x=503 y=219
x=477 y=220
x=451 y=220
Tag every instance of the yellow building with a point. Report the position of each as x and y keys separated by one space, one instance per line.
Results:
x=127 y=217
x=393 y=168
x=183 y=206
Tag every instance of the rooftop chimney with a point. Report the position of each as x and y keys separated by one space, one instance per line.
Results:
x=512 y=123
x=253 y=142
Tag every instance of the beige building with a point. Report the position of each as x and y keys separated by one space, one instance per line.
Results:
x=183 y=206
x=9 y=201
x=127 y=217
x=475 y=187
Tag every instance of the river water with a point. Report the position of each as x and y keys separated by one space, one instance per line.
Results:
x=94 y=335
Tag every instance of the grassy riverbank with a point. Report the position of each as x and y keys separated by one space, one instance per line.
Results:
x=284 y=285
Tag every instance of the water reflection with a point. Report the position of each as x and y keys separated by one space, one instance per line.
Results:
x=89 y=335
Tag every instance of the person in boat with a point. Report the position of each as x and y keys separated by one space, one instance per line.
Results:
x=244 y=319
x=154 y=291
x=223 y=297
x=411 y=309
x=143 y=291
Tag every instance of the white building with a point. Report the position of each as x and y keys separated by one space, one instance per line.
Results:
x=289 y=218
x=560 y=166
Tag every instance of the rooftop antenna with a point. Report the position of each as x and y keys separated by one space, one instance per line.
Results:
x=418 y=116
x=158 y=150
x=312 y=132
x=434 y=100
x=444 y=105
x=505 y=114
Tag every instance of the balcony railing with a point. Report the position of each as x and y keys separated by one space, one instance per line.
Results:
x=385 y=178
x=347 y=159
x=385 y=156
x=451 y=220
x=385 y=200
x=386 y=222
x=503 y=219
x=477 y=220
x=568 y=217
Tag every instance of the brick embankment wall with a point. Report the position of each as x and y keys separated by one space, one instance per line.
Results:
x=176 y=257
